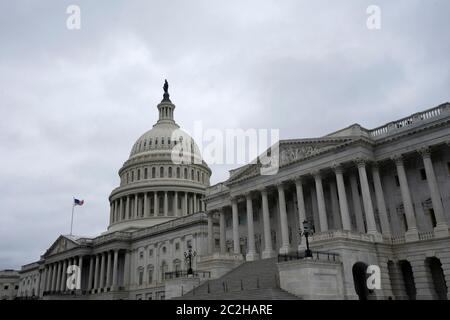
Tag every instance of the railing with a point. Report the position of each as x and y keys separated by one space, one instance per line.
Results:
x=426 y=235
x=316 y=255
x=184 y=274
x=411 y=120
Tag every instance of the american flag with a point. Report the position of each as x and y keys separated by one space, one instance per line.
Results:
x=77 y=202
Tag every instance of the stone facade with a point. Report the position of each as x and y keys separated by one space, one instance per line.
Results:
x=375 y=197
x=9 y=284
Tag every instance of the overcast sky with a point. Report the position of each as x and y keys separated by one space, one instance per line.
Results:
x=73 y=102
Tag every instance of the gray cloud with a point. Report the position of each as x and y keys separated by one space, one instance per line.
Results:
x=74 y=102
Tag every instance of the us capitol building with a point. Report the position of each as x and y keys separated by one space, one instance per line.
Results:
x=375 y=197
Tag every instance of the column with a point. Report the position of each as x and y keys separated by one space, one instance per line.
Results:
x=54 y=275
x=121 y=208
x=441 y=229
x=412 y=234
x=268 y=249
x=108 y=270
x=116 y=211
x=91 y=273
x=381 y=204
x=111 y=213
x=102 y=271
x=156 y=204
x=146 y=210
x=176 y=212
x=195 y=203
x=64 y=276
x=210 y=233
x=343 y=203
x=185 y=206
x=283 y=220
x=337 y=225
x=135 y=209
x=96 y=272
x=80 y=265
x=127 y=208
x=115 y=268
x=367 y=199
x=223 y=246
x=234 y=208
x=251 y=254
x=357 y=204
x=58 y=277
x=50 y=277
x=166 y=204
x=320 y=202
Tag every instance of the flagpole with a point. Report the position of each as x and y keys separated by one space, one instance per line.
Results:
x=71 y=220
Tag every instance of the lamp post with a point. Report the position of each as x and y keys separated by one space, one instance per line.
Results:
x=188 y=258
x=307 y=231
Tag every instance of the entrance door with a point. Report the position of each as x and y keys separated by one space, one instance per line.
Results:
x=360 y=280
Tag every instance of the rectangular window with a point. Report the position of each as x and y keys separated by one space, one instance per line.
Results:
x=141 y=277
x=189 y=243
x=150 y=252
x=177 y=246
x=141 y=255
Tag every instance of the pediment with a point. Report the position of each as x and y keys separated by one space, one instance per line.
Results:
x=290 y=151
x=61 y=244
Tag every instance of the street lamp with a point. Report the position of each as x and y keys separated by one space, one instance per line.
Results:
x=188 y=258
x=307 y=231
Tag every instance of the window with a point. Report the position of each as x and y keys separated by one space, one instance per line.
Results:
x=198 y=176
x=145 y=173
x=132 y=176
x=153 y=172
x=139 y=174
x=141 y=277
x=170 y=172
x=178 y=172
x=150 y=142
x=217 y=243
x=164 y=249
x=161 y=172
x=423 y=174
x=150 y=253
x=150 y=274
x=141 y=255
x=185 y=173
x=162 y=140
x=156 y=141
x=177 y=246
x=188 y=243
x=192 y=174
x=128 y=177
x=6 y=287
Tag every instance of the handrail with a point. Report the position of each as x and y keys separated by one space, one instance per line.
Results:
x=317 y=255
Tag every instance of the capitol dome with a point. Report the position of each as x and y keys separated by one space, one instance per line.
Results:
x=164 y=177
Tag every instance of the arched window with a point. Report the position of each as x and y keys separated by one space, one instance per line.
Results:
x=178 y=172
x=153 y=172
x=192 y=174
x=198 y=176
x=132 y=176
x=140 y=276
x=139 y=174
x=161 y=172
x=156 y=141
x=146 y=173
x=170 y=172
x=128 y=177
x=150 y=142
x=185 y=173
x=162 y=140
x=164 y=269
x=203 y=177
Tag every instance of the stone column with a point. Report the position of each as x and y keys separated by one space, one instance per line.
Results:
x=381 y=204
x=55 y=275
x=115 y=268
x=343 y=203
x=64 y=276
x=441 y=229
x=166 y=204
x=102 y=271
x=412 y=234
x=320 y=202
x=335 y=206
x=91 y=273
x=156 y=204
x=283 y=220
x=58 y=277
x=50 y=277
x=127 y=208
x=195 y=202
x=251 y=253
x=146 y=210
x=135 y=209
x=121 y=208
x=96 y=273
x=111 y=213
x=176 y=213
x=223 y=246
x=357 y=204
x=210 y=233
x=116 y=210
x=185 y=206
x=108 y=270
x=300 y=205
x=367 y=199
x=268 y=249
x=236 y=244
x=80 y=265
